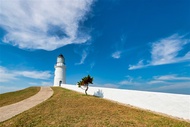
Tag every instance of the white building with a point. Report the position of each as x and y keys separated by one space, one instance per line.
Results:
x=60 y=68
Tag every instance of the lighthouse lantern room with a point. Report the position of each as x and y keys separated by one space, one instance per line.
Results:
x=60 y=68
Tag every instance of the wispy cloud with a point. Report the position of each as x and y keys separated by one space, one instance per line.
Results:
x=171 y=77
x=83 y=57
x=41 y=83
x=156 y=82
x=182 y=88
x=92 y=65
x=164 y=83
x=140 y=64
x=129 y=83
x=46 y=83
x=125 y=82
x=107 y=85
x=8 y=75
x=166 y=51
x=119 y=47
x=167 y=79
x=34 y=74
x=4 y=89
x=116 y=54
x=44 y=24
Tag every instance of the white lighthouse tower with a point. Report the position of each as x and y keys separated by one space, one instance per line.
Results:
x=60 y=68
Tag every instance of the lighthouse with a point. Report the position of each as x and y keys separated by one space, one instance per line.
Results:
x=60 y=68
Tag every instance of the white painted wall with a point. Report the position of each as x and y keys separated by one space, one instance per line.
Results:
x=171 y=104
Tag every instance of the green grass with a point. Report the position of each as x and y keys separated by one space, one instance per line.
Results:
x=70 y=109
x=13 y=97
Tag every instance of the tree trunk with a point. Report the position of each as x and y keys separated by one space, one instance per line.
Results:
x=86 y=89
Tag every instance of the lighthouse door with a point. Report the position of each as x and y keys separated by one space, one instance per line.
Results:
x=60 y=83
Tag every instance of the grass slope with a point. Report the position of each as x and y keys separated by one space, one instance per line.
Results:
x=70 y=109
x=13 y=97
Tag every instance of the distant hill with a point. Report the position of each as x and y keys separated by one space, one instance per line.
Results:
x=68 y=108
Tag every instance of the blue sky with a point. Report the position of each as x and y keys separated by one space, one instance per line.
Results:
x=126 y=44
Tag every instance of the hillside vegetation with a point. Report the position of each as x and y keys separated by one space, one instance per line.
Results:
x=16 y=96
x=70 y=109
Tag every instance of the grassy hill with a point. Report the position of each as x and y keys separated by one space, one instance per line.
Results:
x=16 y=96
x=70 y=109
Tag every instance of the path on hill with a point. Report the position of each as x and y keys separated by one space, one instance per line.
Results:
x=7 y=112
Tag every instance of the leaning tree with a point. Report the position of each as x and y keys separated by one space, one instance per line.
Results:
x=85 y=82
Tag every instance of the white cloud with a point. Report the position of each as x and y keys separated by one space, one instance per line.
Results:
x=171 y=77
x=46 y=83
x=34 y=74
x=44 y=24
x=7 y=75
x=125 y=82
x=128 y=82
x=108 y=85
x=4 y=89
x=129 y=78
x=174 y=86
x=83 y=57
x=92 y=65
x=41 y=83
x=34 y=83
x=168 y=79
x=116 y=54
x=139 y=65
x=119 y=47
x=166 y=51
x=156 y=82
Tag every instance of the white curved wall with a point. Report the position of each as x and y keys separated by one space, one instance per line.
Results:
x=171 y=104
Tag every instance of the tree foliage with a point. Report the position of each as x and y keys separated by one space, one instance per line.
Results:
x=85 y=82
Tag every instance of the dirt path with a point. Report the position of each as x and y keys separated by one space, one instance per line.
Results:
x=7 y=112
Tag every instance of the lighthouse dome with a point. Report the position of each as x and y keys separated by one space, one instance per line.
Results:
x=60 y=59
